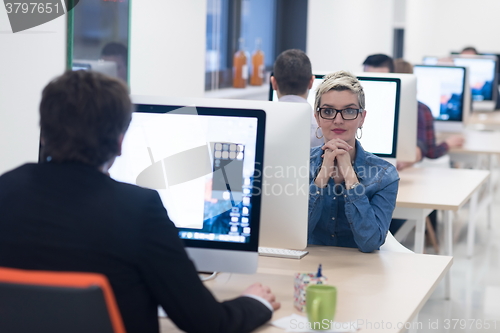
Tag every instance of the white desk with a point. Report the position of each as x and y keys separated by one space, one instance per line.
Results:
x=489 y=120
x=374 y=287
x=422 y=190
x=480 y=146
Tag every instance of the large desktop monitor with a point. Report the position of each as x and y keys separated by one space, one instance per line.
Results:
x=384 y=102
x=444 y=89
x=483 y=78
x=206 y=164
x=188 y=150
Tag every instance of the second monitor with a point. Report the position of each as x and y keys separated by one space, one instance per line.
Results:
x=391 y=105
x=444 y=89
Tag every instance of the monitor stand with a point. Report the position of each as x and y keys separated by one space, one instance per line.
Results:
x=483 y=105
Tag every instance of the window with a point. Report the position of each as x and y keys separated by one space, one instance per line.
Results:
x=227 y=22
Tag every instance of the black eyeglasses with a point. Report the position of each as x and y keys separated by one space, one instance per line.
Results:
x=331 y=113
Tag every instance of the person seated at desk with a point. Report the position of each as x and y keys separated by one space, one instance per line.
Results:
x=292 y=79
x=352 y=192
x=471 y=50
x=117 y=53
x=67 y=214
x=426 y=138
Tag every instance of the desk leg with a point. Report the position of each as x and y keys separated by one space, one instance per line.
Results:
x=448 y=245
x=418 y=215
x=414 y=325
x=471 y=230
x=420 y=234
x=490 y=190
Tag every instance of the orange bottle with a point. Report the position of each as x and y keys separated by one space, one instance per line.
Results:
x=257 y=77
x=240 y=67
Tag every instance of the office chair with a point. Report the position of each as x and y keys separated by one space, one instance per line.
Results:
x=391 y=244
x=57 y=302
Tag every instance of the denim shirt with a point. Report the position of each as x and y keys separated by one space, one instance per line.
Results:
x=359 y=217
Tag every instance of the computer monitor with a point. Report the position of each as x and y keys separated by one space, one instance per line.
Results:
x=285 y=172
x=408 y=114
x=444 y=89
x=483 y=78
x=101 y=66
x=206 y=164
x=383 y=104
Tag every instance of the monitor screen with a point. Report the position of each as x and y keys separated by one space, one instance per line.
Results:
x=206 y=164
x=441 y=88
x=382 y=105
x=482 y=72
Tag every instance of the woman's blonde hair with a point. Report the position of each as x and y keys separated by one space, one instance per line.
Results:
x=340 y=81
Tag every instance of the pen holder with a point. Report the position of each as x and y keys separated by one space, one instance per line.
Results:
x=302 y=281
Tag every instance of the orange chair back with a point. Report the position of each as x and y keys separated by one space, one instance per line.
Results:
x=70 y=280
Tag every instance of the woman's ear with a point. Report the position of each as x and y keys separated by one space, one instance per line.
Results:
x=363 y=116
x=316 y=116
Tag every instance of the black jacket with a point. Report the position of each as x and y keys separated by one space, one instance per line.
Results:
x=71 y=217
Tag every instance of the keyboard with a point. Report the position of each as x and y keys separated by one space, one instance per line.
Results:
x=281 y=253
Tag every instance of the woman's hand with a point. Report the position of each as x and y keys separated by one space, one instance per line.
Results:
x=340 y=153
x=336 y=162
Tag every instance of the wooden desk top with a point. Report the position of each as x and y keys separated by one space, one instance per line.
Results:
x=438 y=188
x=372 y=287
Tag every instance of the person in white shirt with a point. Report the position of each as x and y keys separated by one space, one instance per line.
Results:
x=292 y=79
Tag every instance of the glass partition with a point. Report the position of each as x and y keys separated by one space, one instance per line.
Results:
x=98 y=37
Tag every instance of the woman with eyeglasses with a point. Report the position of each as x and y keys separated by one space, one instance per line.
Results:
x=352 y=192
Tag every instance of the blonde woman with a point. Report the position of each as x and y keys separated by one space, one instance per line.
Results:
x=352 y=192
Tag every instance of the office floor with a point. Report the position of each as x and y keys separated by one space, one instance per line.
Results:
x=475 y=283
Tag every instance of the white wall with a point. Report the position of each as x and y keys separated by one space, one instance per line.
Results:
x=342 y=33
x=434 y=28
x=167 y=47
x=28 y=61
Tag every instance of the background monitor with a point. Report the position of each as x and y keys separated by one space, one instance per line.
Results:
x=206 y=164
x=482 y=77
x=383 y=104
x=444 y=89
x=101 y=66
x=285 y=169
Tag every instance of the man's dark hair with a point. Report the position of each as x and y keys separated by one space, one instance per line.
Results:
x=115 y=49
x=471 y=49
x=82 y=115
x=380 y=60
x=292 y=71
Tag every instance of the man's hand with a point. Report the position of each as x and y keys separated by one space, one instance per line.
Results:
x=258 y=289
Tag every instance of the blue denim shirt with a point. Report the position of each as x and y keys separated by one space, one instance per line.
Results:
x=359 y=217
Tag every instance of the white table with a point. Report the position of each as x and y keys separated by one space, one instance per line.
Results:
x=372 y=287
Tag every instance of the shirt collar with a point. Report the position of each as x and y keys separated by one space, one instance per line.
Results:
x=293 y=98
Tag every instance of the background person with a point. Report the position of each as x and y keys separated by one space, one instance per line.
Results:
x=117 y=53
x=469 y=50
x=426 y=137
x=67 y=214
x=352 y=192
x=292 y=79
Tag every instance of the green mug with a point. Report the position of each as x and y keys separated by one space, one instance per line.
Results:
x=321 y=301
